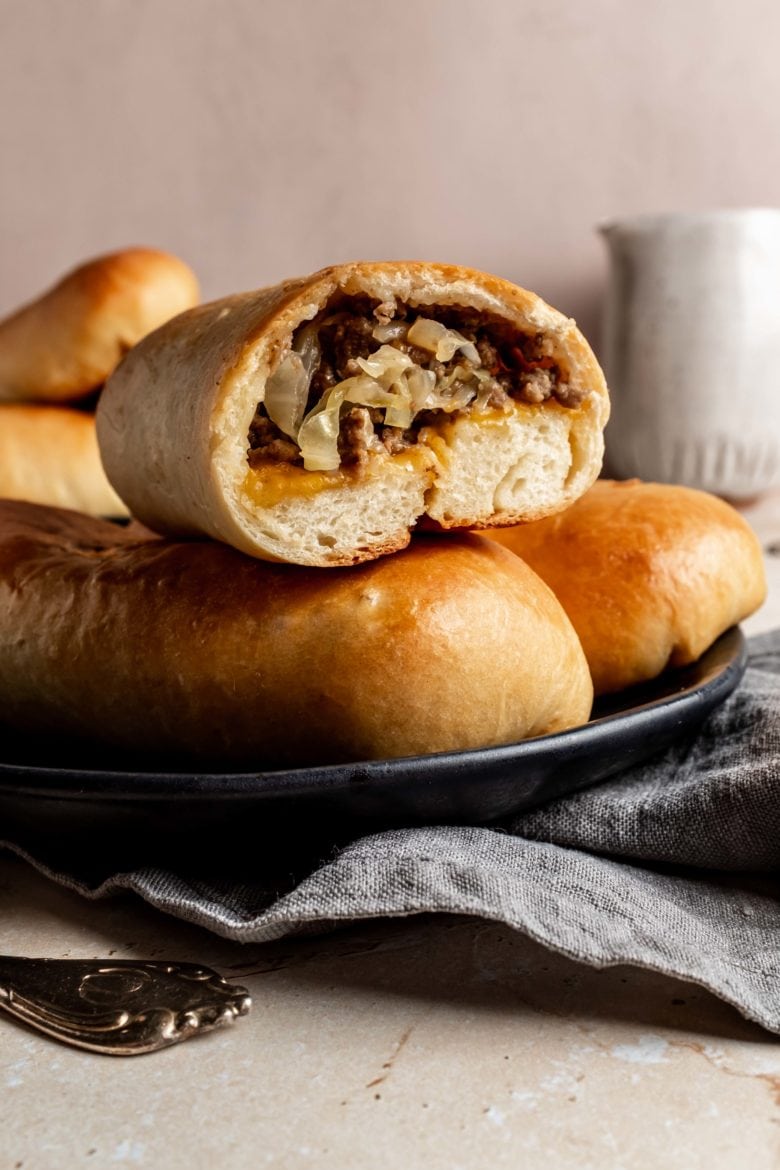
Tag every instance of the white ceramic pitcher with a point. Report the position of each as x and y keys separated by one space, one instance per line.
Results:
x=692 y=349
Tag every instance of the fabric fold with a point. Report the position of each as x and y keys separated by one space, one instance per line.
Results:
x=670 y=866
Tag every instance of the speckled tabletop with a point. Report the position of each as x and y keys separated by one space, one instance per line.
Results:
x=435 y=1042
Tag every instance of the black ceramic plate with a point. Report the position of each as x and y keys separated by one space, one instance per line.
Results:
x=141 y=816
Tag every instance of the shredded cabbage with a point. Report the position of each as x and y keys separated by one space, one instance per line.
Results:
x=286 y=392
x=390 y=331
x=390 y=367
x=422 y=385
x=287 y=389
x=459 y=395
x=440 y=340
x=389 y=380
x=458 y=374
x=318 y=437
x=308 y=346
x=386 y=364
x=401 y=413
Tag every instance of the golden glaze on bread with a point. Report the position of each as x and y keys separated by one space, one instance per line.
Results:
x=650 y=574
x=198 y=651
x=174 y=418
x=49 y=455
x=65 y=344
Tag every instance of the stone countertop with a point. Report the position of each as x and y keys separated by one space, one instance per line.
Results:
x=430 y=1041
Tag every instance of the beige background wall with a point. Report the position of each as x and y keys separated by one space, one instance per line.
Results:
x=262 y=138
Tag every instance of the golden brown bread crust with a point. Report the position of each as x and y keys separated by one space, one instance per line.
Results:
x=195 y=650
x=65 y=344
x=49 y=455
x=650 y=574
x=174 y=418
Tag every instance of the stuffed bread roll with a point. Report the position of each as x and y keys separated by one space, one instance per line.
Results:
x=65 y=344
x=317 y=421
x=49 y=455
x=650 y=574
x=194 y=650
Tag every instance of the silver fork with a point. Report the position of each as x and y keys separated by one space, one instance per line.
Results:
x=121 y=1008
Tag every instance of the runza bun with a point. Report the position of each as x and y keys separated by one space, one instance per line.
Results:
x=429 y=433
x=49 y=455
x=65 y=344
x=195 y=651
x=650 y=574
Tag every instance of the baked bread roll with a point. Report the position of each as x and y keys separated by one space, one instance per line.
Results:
x=650 y=574
x=65 y=344
x=317 y=421
x=193 y=650
x=49 y=455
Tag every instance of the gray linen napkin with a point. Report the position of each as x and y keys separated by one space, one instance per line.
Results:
x=667 y=866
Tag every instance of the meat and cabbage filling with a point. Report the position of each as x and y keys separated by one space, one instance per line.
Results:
x=363 y=378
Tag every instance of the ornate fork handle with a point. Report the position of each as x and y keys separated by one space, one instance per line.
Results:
x=121 y=1008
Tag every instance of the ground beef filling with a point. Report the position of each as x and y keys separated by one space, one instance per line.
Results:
x=522 y=369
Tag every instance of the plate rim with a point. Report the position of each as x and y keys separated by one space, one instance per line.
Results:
x=725 y=660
